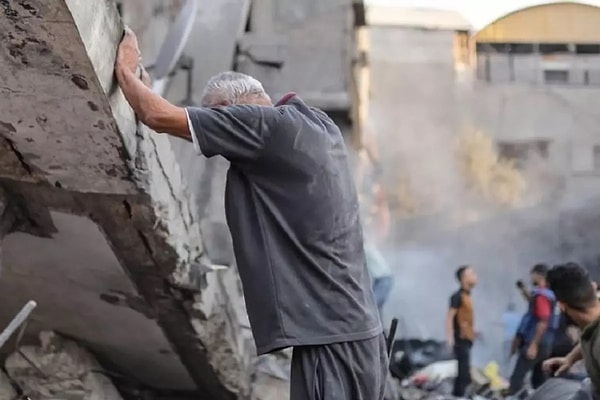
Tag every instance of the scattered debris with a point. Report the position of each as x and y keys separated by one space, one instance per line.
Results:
x=59 y=369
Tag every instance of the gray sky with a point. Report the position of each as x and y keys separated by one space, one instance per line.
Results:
x=478 y=12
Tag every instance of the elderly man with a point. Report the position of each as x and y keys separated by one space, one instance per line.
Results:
x=292 y=210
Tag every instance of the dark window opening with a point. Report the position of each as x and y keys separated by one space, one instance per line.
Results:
x=554 y=48
x=556 y=76
x=521 y=48
x=521 y=152
x=481 y=48
x=502 y=48
x=587 y=48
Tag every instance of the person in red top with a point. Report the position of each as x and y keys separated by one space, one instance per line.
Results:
x=533 y=341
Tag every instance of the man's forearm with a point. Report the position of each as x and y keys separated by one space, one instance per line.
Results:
x=449 y=329
x=576 y=354
x=540 y=329
x=151 y=109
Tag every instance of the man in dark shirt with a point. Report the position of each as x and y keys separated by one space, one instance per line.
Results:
x=460 y=328
x=292 y=210
x=533 y=341
x=565 y=339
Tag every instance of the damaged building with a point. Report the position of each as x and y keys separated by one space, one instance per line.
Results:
x=118 y=233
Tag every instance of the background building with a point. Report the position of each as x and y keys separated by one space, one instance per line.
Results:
x=489 y=147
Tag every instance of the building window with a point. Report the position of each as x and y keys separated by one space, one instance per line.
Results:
x=587 y=48
x=554 y=48
x=522 y=151
x=556 y=76
x=521 y=48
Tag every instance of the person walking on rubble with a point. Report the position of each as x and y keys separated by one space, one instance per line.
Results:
x=534 y=338
x=292 y=209
x=576 y=296
x=460 y=328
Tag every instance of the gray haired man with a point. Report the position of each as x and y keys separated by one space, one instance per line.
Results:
x=292 y=210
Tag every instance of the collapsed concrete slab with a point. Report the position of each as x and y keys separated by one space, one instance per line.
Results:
x=112 y=244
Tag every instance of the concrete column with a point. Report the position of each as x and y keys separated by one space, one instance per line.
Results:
x=59 y=369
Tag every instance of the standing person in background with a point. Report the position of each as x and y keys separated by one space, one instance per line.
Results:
x=381 y=275
x=534 y=338
x=460 y=327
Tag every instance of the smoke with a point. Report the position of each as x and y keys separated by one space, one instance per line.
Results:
x=454 y=198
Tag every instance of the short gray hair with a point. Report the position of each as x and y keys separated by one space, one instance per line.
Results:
x=230 y=87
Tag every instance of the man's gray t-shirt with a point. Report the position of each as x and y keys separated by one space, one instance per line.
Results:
x=292 y=210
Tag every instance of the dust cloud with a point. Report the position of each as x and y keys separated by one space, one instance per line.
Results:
x=455 y=200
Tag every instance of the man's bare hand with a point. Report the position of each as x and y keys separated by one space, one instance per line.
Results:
x=128 y=56
x=557 y=366
x=532 y=351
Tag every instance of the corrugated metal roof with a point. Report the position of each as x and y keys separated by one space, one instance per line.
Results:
x=423 y=18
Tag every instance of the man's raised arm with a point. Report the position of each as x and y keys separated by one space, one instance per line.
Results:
x=237 y=131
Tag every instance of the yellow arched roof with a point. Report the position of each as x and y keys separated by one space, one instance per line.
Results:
x=546 y=23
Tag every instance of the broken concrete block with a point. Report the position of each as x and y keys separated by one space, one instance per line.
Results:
x=7 y=392
x=271 y=378
x=267 y=387
x=59 y=369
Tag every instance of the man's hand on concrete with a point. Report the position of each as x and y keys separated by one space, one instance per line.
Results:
x=128 y=56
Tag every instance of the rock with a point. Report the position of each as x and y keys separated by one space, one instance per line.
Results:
x=7 y=392
x=272 y=376
x=59 y=369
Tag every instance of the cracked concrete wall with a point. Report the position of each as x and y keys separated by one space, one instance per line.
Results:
x=70 y=143
x=187 y=193
x=59 y=369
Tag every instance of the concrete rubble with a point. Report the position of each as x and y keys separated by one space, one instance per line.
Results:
x=59 y=369
x=7 y=391
x=106 y=203
x=123 y=220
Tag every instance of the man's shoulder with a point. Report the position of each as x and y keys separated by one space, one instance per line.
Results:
x=456 y=298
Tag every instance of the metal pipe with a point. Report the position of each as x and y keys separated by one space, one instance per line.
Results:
x=391 y=337
x=17 y=321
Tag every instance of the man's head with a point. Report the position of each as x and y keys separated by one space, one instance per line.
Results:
x=231 y=88
x=575 y=292
x=466 y=277
x=538 y=275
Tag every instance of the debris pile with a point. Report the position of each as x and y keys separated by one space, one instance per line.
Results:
x=57 y=368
